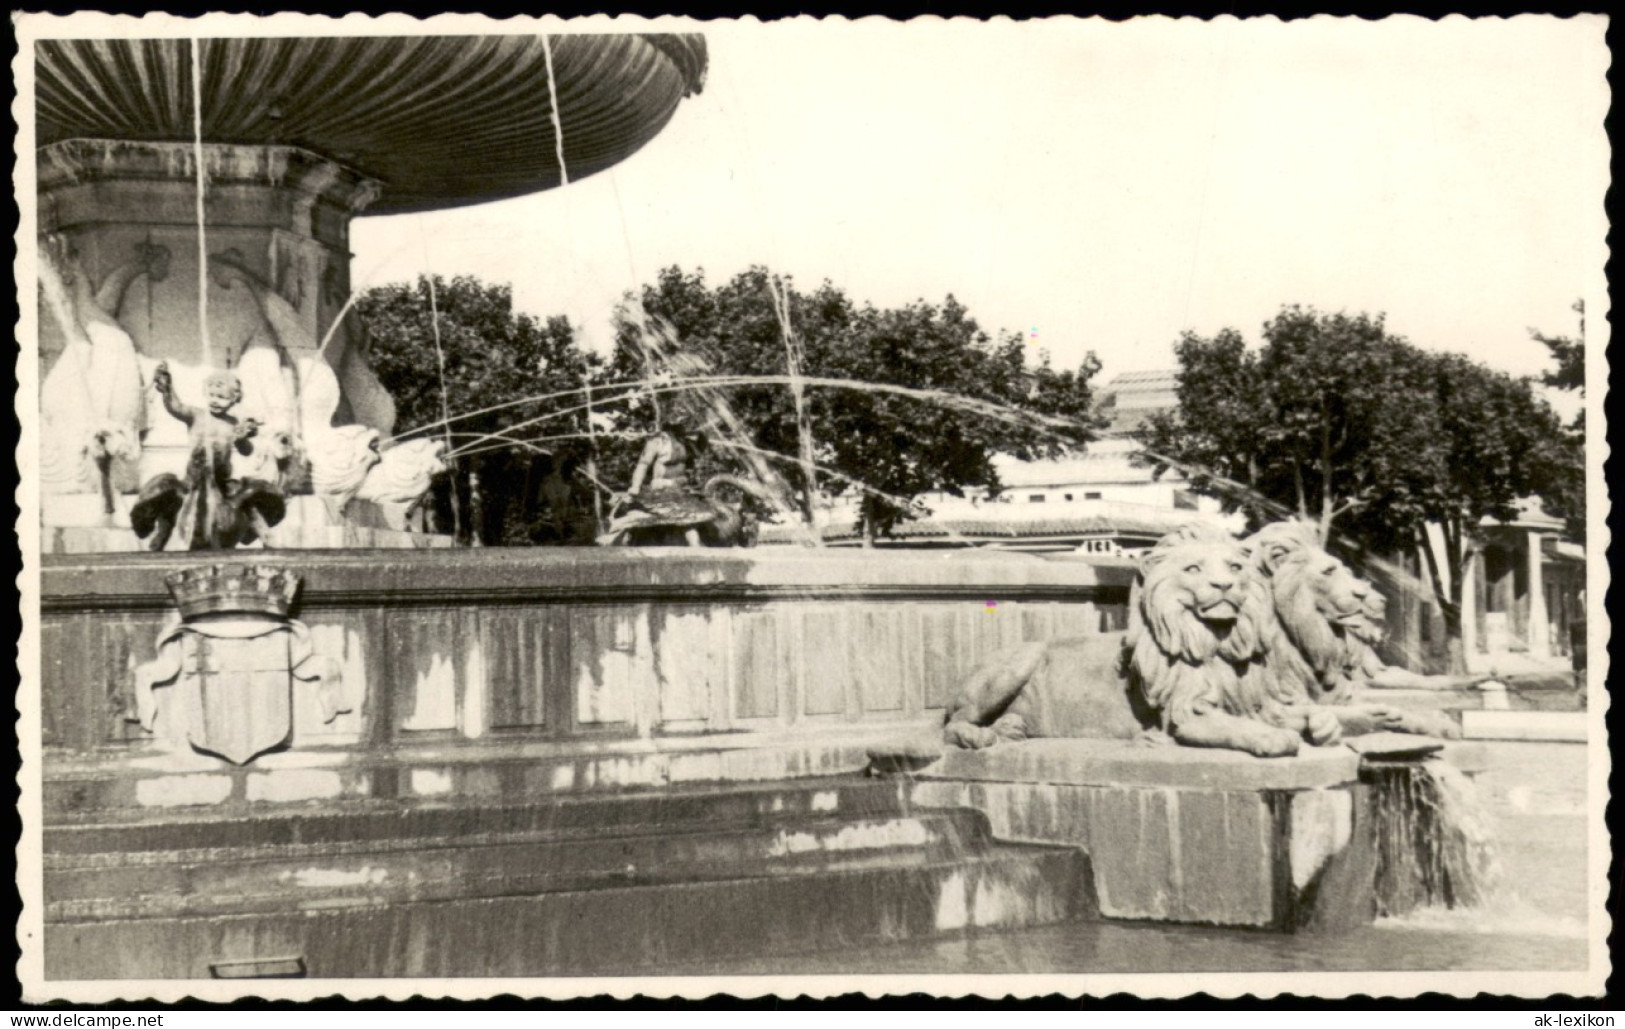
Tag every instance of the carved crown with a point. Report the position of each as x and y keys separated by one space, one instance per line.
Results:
x=233 y=589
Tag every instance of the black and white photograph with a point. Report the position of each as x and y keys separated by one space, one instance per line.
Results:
x=555 y=508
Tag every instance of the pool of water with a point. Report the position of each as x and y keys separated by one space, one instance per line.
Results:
x=1536 y=793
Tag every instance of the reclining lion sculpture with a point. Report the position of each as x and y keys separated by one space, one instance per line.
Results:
x=1252 y=645
x=1190 y=666
x=1328 y=624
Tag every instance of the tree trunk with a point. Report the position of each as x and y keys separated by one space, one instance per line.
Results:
x=476 y=511
x=808 y=507
x=1449 y=599
x=1460 y=556
x=1455 y=648
x=1325 y=483
x=529 y=506
x=599 y=525
x=456 y=501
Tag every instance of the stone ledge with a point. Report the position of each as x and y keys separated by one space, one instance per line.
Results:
x=1125 y=764
x=167 y=782
x=582 y=574
x=1552 y=726
x=1299 y=860
x=84 y=539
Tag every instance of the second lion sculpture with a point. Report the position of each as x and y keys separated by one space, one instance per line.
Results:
x=1328 y=624
x=1190 y=665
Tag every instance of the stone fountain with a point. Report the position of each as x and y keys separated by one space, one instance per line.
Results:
x=297 y=137
x=360 y=763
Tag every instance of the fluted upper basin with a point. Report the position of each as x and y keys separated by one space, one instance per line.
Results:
x=439 y=120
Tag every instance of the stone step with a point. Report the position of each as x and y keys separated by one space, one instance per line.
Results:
x=621 y=928
x=310 y=875
x=148 y=782
x=127 y=832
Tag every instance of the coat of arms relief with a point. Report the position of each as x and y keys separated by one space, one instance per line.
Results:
x=231 y=655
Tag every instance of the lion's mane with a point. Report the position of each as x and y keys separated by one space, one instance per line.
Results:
x=1311 y=657
x=1180 y=663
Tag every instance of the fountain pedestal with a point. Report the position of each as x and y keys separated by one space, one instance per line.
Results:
x=1180 y=834
x=277 y=235
x=284 y=210
x=158 y=156
x=1177 y=834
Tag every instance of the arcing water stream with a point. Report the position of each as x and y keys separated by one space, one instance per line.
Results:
x=663 y=355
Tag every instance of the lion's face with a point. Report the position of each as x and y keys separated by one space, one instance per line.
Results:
x=1202 y=598
x=1376 y=617
x=1324 y=607
x=1204 y=580
x=1316 y=577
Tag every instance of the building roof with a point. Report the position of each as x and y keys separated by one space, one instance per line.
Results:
x=1531 y=515
x=1160 y=379
x=1127 y=400
x=1103 y=461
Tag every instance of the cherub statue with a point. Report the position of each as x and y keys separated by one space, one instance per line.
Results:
x=213 y=510
x=299 y=396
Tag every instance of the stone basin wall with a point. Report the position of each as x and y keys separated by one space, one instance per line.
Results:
x=507 y=671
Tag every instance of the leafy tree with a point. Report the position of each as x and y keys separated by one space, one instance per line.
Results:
x=1336 y=420
x=890 y=447
x=1224 y=452
x=1306 y=424
x=1569 y=353
x=1497 y=443
x=492 y=356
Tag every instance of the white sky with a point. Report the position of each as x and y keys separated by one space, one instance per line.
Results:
x=1104 y=186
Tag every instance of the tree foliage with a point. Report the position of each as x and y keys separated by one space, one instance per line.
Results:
x=889 y=448
x=1337 y=420
x=493 y=355
x=1569 y=353
x=987 y=395
x=1568 y=500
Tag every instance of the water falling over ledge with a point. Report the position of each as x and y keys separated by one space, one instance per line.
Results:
x=1436 y=841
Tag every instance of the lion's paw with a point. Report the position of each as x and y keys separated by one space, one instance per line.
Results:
x=1367 y=718
x=1269 y=741
x=968 y=736
x=1323 y=728
x=1427 y=723
x=1153 y=738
